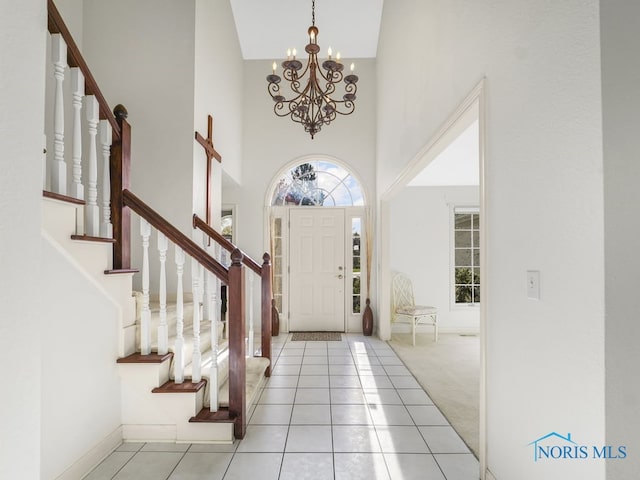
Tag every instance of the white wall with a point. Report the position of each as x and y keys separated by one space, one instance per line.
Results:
x=80 y=383
x=218 y=84
x=171 y=64
x=148 y=66
x=545 y=359
x=218 y=92
x=621 y=102
x=421 y=248
x=72 y=14
x=22 y=49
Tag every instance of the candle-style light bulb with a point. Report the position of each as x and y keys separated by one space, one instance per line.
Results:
x=274 y=66
x=288 y=54
x=294 y=53
x=338 y=57
x=353 y=67
x=329 y=51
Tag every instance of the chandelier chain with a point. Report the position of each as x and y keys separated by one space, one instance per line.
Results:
x=313 y=12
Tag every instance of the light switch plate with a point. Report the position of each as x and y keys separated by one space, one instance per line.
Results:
x=533 y=284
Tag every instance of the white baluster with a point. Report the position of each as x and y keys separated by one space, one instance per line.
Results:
x=163 y=331
x=178 y=354
x=106 y=229
x=91 y=208
x=145 y=320
x=77 y=91
x=213 y=287
x=206 y=286
x=196 y=362
x=251 y=278
x=59 y=59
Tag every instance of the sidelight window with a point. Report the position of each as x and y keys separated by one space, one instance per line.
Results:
x=466 y=256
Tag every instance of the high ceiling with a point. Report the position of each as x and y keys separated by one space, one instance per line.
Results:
x=267 y=28
x=456 y=165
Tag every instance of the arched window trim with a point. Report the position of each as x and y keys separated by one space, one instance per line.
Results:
x=283 y=180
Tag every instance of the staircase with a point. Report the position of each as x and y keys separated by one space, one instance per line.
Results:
x=185 y=374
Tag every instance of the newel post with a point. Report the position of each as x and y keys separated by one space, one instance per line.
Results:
x=120 y=169
x=237 y=359
x=267 y=295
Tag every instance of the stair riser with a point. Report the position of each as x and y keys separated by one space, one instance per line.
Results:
x=163 y=417
x=206 y=433
x=59 y=218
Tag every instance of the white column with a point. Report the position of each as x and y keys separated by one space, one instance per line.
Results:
x=145 y=320
x=196 y=362
x=77 y=91
x=178 y=354
x=92 y=213
x=106 y=229
x=251 y=285
x=59 y=171
x=163 y=332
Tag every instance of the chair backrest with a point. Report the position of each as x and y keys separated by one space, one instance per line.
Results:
x=402 y=291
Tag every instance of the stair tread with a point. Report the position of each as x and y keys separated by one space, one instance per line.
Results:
x=89 y=238
x=150 y=358
x=62 y=198
x=207 y=416
x=184 y=387
x=121 y=271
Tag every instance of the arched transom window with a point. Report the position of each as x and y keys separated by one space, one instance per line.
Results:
x=318 y=183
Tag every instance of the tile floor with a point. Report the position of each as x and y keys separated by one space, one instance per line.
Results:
x=331 y=410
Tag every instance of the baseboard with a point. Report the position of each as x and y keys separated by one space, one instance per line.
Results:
x=93 y=457
x=427 y=330
x=149 y=433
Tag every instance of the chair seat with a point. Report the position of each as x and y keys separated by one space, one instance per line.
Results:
x=416 y=310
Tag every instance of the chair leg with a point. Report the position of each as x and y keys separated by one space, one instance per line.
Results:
x=413 y=331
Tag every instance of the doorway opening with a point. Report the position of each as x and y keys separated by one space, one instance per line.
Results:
x=462 y=224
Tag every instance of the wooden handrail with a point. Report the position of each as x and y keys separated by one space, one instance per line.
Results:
x=75 y=59
x=175 y=235
x=226 y=244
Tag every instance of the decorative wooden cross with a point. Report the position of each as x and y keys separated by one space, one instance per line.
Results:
x=210 y=151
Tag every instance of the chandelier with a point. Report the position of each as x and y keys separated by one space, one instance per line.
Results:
x=311 y=102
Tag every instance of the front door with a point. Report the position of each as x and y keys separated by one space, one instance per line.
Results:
x=316 y=261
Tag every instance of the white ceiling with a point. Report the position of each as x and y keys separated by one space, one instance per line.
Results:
x=457 y=164
x=267 y=28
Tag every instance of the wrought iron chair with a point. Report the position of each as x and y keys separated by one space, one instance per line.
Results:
x=405 y=310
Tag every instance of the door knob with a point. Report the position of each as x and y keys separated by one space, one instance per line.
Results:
x=339 y=276
x=340 y=268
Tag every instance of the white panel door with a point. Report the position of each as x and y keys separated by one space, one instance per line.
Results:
x=316 y=261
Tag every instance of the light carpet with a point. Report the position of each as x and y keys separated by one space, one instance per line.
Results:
x=449 y=371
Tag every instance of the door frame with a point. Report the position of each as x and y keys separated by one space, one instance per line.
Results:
x=352 y=321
